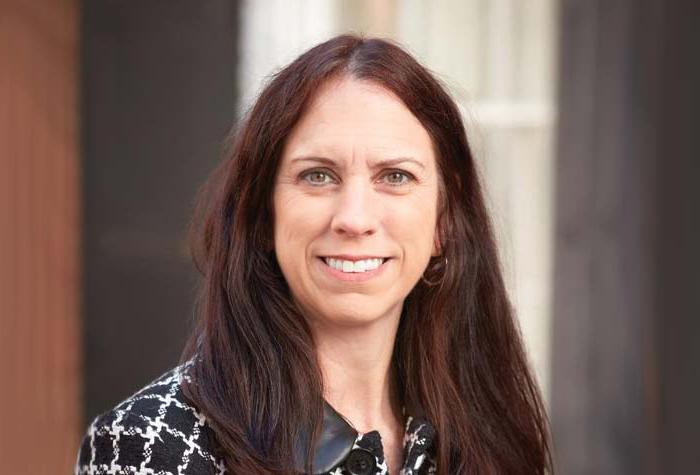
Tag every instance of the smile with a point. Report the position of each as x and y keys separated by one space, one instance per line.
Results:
x=359 y=265
x=355 y=270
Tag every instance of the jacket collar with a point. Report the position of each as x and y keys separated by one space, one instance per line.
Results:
x=336 y=440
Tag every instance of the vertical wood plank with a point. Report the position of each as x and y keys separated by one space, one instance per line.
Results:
x=39 y=236
x=625 y=352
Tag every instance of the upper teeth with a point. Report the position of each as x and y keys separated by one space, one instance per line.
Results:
x=353 y=266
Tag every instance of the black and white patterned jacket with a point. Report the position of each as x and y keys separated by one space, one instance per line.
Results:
x=156 y=432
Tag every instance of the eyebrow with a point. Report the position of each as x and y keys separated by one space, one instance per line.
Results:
x=380 y=164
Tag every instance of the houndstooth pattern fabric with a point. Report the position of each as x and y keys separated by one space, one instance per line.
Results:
x=156 y=432
x=153 y=432
x=417 y=442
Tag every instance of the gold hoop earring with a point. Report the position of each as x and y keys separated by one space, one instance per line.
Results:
x=442 y=278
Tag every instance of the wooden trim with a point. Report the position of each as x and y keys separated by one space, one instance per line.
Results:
x=39 y=237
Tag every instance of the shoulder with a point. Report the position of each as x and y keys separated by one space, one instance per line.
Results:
x=153 y=431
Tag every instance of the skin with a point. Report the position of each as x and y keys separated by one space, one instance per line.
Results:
x=354 y=206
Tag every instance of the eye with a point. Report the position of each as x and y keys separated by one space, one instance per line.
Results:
x=316 y=177
x=398 y=178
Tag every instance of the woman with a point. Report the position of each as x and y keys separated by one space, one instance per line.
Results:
x=353 y=317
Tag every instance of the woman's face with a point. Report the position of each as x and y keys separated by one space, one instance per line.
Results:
x=357 y=182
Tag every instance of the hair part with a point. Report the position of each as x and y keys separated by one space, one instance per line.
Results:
x=458 y=350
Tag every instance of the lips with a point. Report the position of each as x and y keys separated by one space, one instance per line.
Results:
x=349 y=257
x=353 y=271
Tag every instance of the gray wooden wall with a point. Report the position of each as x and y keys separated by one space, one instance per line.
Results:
x=158 y=98
x=625 y=386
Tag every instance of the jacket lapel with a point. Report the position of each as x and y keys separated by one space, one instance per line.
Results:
x=334 y=445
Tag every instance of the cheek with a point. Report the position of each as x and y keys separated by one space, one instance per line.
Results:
x=413 y=223
x=298 y=220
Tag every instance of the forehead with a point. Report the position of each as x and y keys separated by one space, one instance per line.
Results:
x=349 y=117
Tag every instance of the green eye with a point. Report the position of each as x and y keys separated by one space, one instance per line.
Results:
x=397 y=178
x=316 y=177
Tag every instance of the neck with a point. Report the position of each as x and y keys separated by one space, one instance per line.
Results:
x=358 y=375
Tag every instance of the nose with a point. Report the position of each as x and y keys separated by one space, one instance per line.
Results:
x=355 y=214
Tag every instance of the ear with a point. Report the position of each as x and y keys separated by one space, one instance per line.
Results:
x=440 y=229
x=437 y=245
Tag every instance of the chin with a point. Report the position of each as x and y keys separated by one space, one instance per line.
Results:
x=354 y=310
x=352 y=318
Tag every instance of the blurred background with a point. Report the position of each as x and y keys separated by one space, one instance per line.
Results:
x=582 y=116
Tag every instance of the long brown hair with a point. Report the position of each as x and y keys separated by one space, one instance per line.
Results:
x=458 y=351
